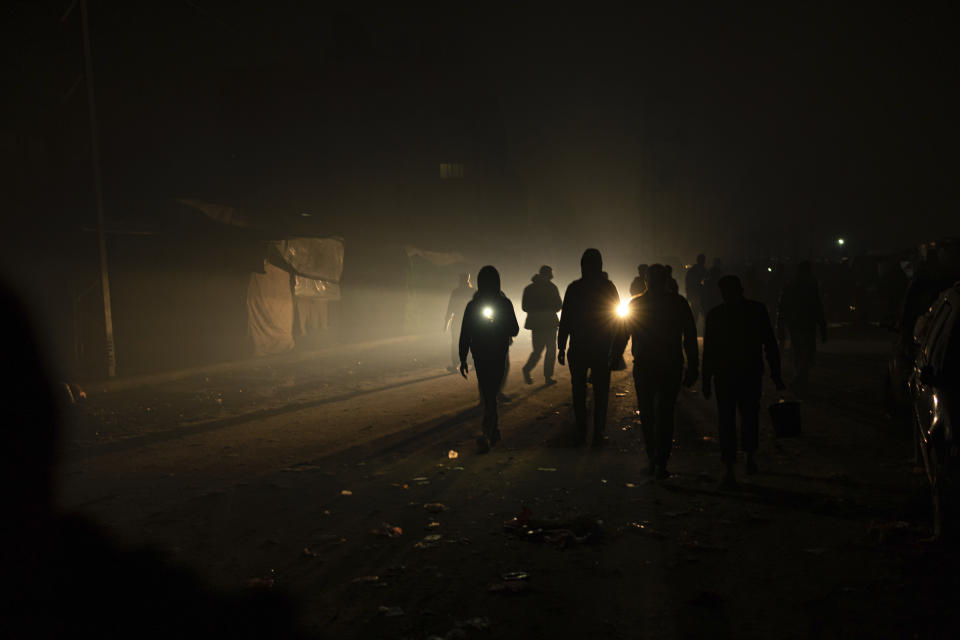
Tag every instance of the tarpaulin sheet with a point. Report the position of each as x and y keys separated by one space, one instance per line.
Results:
x=438 y=258
x=317 y=258
x=270 y=311
x=313 y=288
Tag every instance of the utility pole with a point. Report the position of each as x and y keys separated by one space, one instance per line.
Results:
x=98 y=188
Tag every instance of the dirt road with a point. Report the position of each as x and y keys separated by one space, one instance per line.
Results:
x=827 y=541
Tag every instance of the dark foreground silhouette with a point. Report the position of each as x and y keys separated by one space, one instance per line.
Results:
x=65 y=577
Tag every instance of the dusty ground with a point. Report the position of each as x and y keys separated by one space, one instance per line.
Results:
x=284 y=471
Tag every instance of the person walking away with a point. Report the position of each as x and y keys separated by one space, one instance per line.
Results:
x=589 y=320
x=800 y=314
x=541 y=302
x=710 y=293
x=693 y=283
x=661 y=327
x=489 y=325
x=459 y=298
x=672 y=285
x=639 y=283
x=738 y=334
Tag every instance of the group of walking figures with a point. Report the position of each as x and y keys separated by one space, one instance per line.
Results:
x=592 y=333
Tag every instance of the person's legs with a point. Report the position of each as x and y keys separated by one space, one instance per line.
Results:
x=601 y=396
x=538 y=345
x=749 y=389
x=668 y=386
x=489 y=374
x=645 y=405
x=503 y=377
x=578 y=379
x=550 y=359
x=454 y=344
x=727 y=422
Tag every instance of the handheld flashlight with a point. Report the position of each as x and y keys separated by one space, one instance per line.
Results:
x=623 y=309
x=488 y=313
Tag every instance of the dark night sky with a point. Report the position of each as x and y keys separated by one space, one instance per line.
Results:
x=696 y=126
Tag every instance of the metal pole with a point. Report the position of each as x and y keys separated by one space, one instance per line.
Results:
x=98 y=187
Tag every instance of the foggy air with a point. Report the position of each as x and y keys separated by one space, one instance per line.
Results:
x=453 y=322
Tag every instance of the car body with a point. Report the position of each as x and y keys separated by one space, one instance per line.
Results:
x=934 y=393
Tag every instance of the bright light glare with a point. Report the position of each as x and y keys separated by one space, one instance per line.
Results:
x=770 y=269
x=623 y=309
x=841 y=241
x=488 y=313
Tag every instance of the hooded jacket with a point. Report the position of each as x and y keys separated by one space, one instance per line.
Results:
x=541 y=301
x=588 y=317
x=489 y=321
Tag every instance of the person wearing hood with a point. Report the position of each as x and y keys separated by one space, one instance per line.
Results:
x=589 y=320
x=639 y=284
x=541 y=302
x=660 y=325
x=489 y=325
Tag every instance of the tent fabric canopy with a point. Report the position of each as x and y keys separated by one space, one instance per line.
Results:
x=315 y=258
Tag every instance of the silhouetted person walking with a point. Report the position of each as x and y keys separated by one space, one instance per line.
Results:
x=710 y=292
x=661 y=326
x=489 y=324
x=589 y=320
x=800 y=313
x=738 y=334
x=639 y=284
x=694 y=286
x=459 y=298
x=541 y=301
x=672 y=285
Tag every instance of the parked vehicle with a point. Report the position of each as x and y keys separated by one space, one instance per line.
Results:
x=934 y=393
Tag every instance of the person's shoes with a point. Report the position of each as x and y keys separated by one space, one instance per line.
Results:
x=752 y=468
x=526 y=377
x=483 y=445
x=494 y=437
x=661 y=473
x=549 y=381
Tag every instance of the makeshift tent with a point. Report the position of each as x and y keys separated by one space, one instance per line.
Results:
x=301 y=276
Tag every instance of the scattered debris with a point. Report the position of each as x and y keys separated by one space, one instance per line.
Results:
x=514 y=575
x=421 y=479
x=429 y=542
x=390 y=612
x=435 y=507
x=308 y=552
x=562 y=533
x=453 y=454
x=388 y=530
x=433 y=524
x=346 y=492
x=644 y=527
x=546 y=469
x=366 y=579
